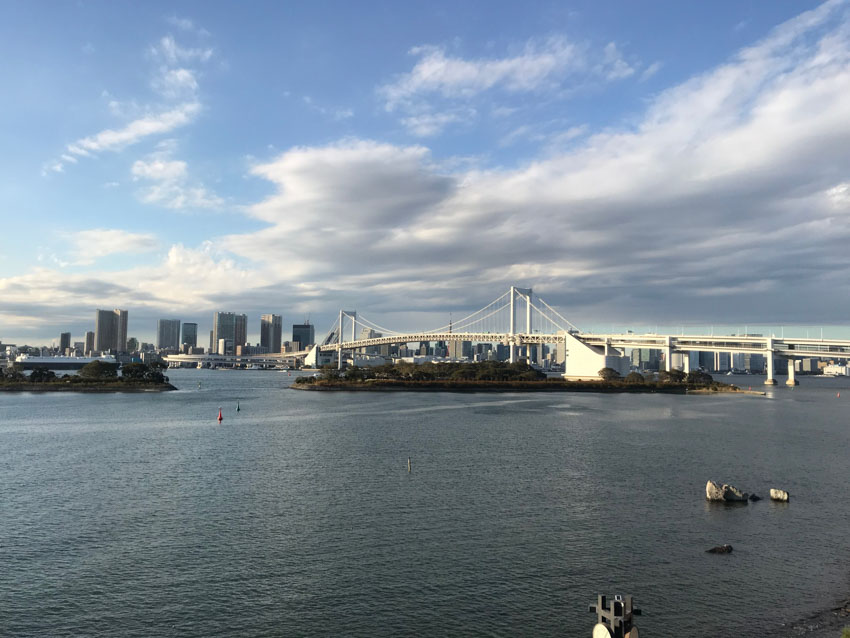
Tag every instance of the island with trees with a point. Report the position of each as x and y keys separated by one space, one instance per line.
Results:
x=500 y=376
x=97 y=376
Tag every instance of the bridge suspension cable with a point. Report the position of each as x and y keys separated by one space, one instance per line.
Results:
x=371 y=324
x=560 y=316
x=461 y=321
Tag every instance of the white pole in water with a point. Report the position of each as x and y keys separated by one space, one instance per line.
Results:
x=408 y=465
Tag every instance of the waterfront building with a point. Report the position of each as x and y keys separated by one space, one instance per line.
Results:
x=224 y=346
x=110 y=330
x=190 y=334
x=229 y=326
x=304 y=334
x=168 y=334
x=271 y=329
x=89 y=345
x=64 y=342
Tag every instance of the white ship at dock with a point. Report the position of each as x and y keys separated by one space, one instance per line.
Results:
x=31 y=362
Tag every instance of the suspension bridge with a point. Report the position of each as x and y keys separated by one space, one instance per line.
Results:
x=584 y=353
x=521 y=320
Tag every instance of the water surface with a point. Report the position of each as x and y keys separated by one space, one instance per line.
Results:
x=139 y=515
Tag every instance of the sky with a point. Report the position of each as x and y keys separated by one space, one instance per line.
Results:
x=634 y=163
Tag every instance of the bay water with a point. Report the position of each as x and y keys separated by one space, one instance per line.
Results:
x=140 y=515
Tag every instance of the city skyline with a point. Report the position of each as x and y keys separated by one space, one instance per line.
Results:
x=655 y=165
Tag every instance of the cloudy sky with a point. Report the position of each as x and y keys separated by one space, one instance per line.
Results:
x=660 y=163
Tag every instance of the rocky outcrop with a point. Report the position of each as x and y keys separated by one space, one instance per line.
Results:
x=720 y=549
x=755 y=497
x=713 y=491
x=779 y=495
x=725 y=493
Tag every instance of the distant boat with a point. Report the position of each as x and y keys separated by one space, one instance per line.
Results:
x=219 y=415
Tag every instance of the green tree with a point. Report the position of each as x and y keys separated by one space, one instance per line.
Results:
x=99 y=370
x=634 y=378
x=41 y=375
x=134 y=371
x=674 y=376
x=698 y=377
x=12 y=373
x=608 y=374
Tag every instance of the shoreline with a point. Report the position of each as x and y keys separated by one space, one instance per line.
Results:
x=516 y=386
x=86 y=389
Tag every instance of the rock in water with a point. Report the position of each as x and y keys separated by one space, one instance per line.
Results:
x=713 y=492
x=733 y=494
x=725 y=493
x=755 y=497
x=779 y=495
x=720 y=549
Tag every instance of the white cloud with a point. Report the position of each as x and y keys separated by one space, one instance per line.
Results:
x=175 y=83
x=432 y=94
x=111 y=139
x=427 y=124
x=158 y=169
x=651 y=70
x=185 y=24
x=436 y=72
x=91 y=245
x=168 y=183
x=173 y=54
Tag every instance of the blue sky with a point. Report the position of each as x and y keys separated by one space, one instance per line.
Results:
x=636 y=163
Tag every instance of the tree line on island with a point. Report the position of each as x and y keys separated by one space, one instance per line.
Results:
x=502 y=374
x=96 y=373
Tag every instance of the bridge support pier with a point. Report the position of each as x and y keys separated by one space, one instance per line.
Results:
x=792 y=379
x=771 y=377
x=668 y=355
x=686 y=362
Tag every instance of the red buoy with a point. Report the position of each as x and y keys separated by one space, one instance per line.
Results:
x=219 y=415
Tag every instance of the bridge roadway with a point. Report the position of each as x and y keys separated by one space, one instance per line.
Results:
x=786 y=347
x=232 y=359
x=770 y=347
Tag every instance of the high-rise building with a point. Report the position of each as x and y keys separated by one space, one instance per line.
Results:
x=190 y=334
x=64 y=342
x=89 y=346
x=229 y=326
x=271 y=327
x=168 y=334
x=460 y=349
x=304 y=334
x=110 y=330
x=121 y=330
